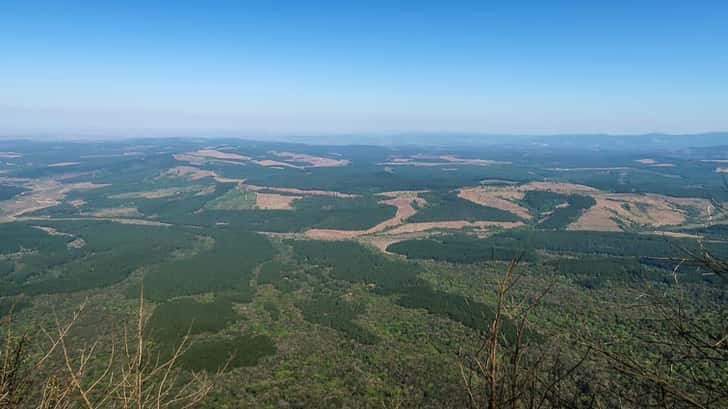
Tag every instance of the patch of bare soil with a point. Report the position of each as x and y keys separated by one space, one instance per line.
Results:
x=10 y=155
x=503 y=199
x=721 y=170
x=590 y=169
x=438 y=160
x=457 y=224
x=301 y=192
x=51 y=231
x=159 y=193
x=189 y=172
x=76 y=244
x=116 y=212
x=216 y=154
x=273 y=201
x=613 y=210
x=275 y=164
x=654 y=163
x=402 y=200
x=62 y=164
x=558 y=187
x=43 y=193
x=313 y=161
x=674 y=234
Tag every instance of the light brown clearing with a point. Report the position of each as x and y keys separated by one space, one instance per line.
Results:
x=275 y=163
x=191 y=159
x=558 y=187
x=721 y=170
x=189 y=172
x=62 y=164
x=590 y=169
x=674 y=234
x=447 y=160
x=116 y=212
x=301 y=192
x=498 y=181
x=457 y=224
x=498 y=198
x=654 y=163
x=43 y=193
x=112 y=219
x=52 y=232
x=613 y=209
x=159 y=193
x=273 y=201
x=76 y=244
x=402 y=200
x=10 y=155
x=216 y=154
x=314 y=161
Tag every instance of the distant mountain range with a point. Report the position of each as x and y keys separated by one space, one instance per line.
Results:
x=653 y=141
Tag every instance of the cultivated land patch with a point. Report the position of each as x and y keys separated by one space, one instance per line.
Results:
x=614 y=212
x=455 y=224
x=301 y=192
x=274 y=201
x=189 y=172
x=498 y=198
x=115 y=212
x=275 y=164
x=160 y=193
x=654 y=163
x=216 y=154
x=439 y=160
x=312 y=161
x=43 y=193
x=63 y=164
x=239 y=198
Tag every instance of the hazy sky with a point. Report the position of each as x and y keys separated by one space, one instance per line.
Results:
x=372 y=66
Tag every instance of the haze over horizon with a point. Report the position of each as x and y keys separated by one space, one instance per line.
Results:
x=187 y=68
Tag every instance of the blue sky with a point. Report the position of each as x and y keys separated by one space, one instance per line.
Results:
x=274 y=67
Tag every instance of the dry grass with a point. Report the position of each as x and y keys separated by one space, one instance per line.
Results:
x=273 y=201
x=559 y=187
x=189 y=172
x=301 y=192
x=613 y=210
x=159 y=193
x=498 y=198
x=116 y=212
x=216 y=154
x=62 y=164
x=439 y=160
x=313 y=161
x=455 y=224
x=43 y=193
x=275 y=164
